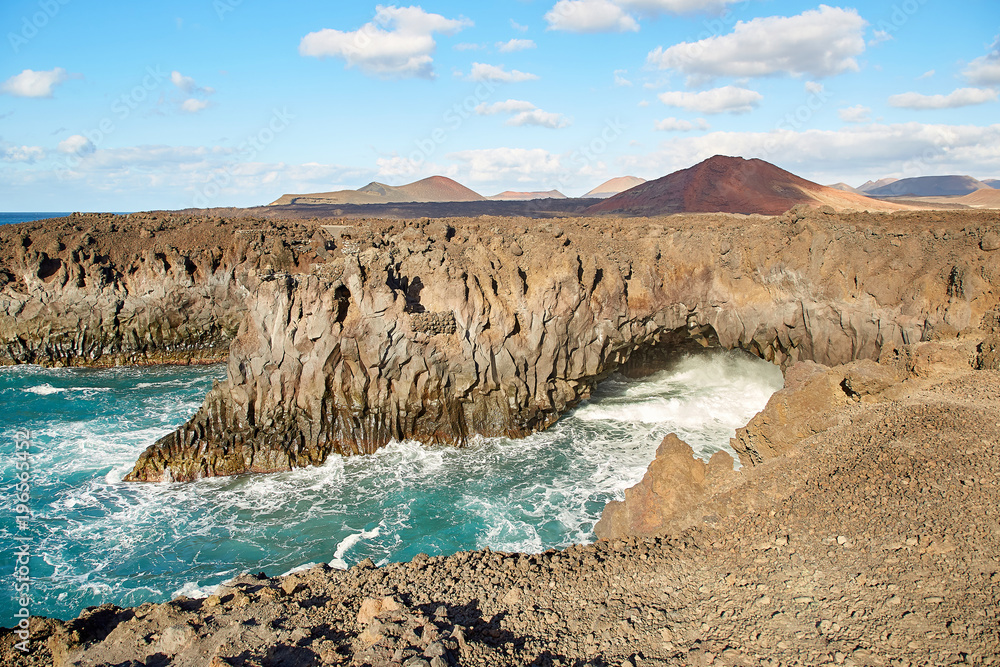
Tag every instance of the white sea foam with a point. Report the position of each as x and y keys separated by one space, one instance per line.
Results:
x=349 y=543
x=194 y=591
x=45 y=390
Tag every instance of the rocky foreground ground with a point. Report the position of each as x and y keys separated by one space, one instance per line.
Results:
x=867 y=534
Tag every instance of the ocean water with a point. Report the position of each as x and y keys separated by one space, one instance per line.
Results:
x=94 y=539
x=8 y=218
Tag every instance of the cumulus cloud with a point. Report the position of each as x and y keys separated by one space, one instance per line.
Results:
x=963 y=97
x=193 y=105
x=675 y=6
x=77 y=145
x=187 y=85
x=728 y=99
x=27 y=154
x=615 y=16
x=517 y=26
x=903 y=149
x=524 y=113
x=510 y=106
x=590 y=16
x=398 y=43
x=553 y=121
x=30 y=83
x=516 y=45
x=678 y=125
x=985 y=70
x=483 y=72
x=526 y=165
x=620 y=79
x=856 y=114
x=819 y=42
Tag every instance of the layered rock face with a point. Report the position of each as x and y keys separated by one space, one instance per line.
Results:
x=439 y=331
x=105 y=290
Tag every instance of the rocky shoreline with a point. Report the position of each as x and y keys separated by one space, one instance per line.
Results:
x=861 y=529
x=871 y=539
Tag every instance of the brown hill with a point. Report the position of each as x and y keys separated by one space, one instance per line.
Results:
x=433 y=189
x=732 y=185
x=613 y=187
x=510 y=195
x=992 y=182
x=985 y=198
x=844 y=187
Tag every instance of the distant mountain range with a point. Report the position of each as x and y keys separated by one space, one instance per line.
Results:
x=433 y=189
x=929 y=186
x=439 y=189
x=732 y=185
x=719 y=184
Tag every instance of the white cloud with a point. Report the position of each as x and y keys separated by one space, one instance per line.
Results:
x=527 y=165
x=904 y=150
x=856 y=114
x=962 y=97
x=553 y=121
x=620 y=79
x=517 y=26
x=77 y=145
x=187 y=85
x=27 y=154
x=482 y=72
x=590 y=16
x=467 y=46
x=926 y=75
x=728 y=99
x=30 y=83
x=880 y=36
x=985 y=70
x=399 y=42
x=819 y=42
x=510 y=106
x=516 y=45
x=614 y=16
x=678 y=125
x=193 y=105
x=814 y=88
x=675 y=6
x=524 y=113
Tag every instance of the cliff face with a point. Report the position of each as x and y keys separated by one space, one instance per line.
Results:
x=111 y=290
x=438 y=331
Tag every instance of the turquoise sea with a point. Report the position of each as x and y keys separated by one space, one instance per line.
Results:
x=94 y=539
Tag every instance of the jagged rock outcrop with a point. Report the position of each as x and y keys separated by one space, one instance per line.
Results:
x=438 y=331
x=104 y=290
x=679 y=491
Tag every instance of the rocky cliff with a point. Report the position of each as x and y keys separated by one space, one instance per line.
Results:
x=138 y=289
x=436 y=331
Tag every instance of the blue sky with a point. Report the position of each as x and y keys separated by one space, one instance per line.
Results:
x=132 y=106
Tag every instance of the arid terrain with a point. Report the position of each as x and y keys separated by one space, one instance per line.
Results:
x=860 y=529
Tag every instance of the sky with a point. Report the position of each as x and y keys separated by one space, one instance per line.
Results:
x=127 y=106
